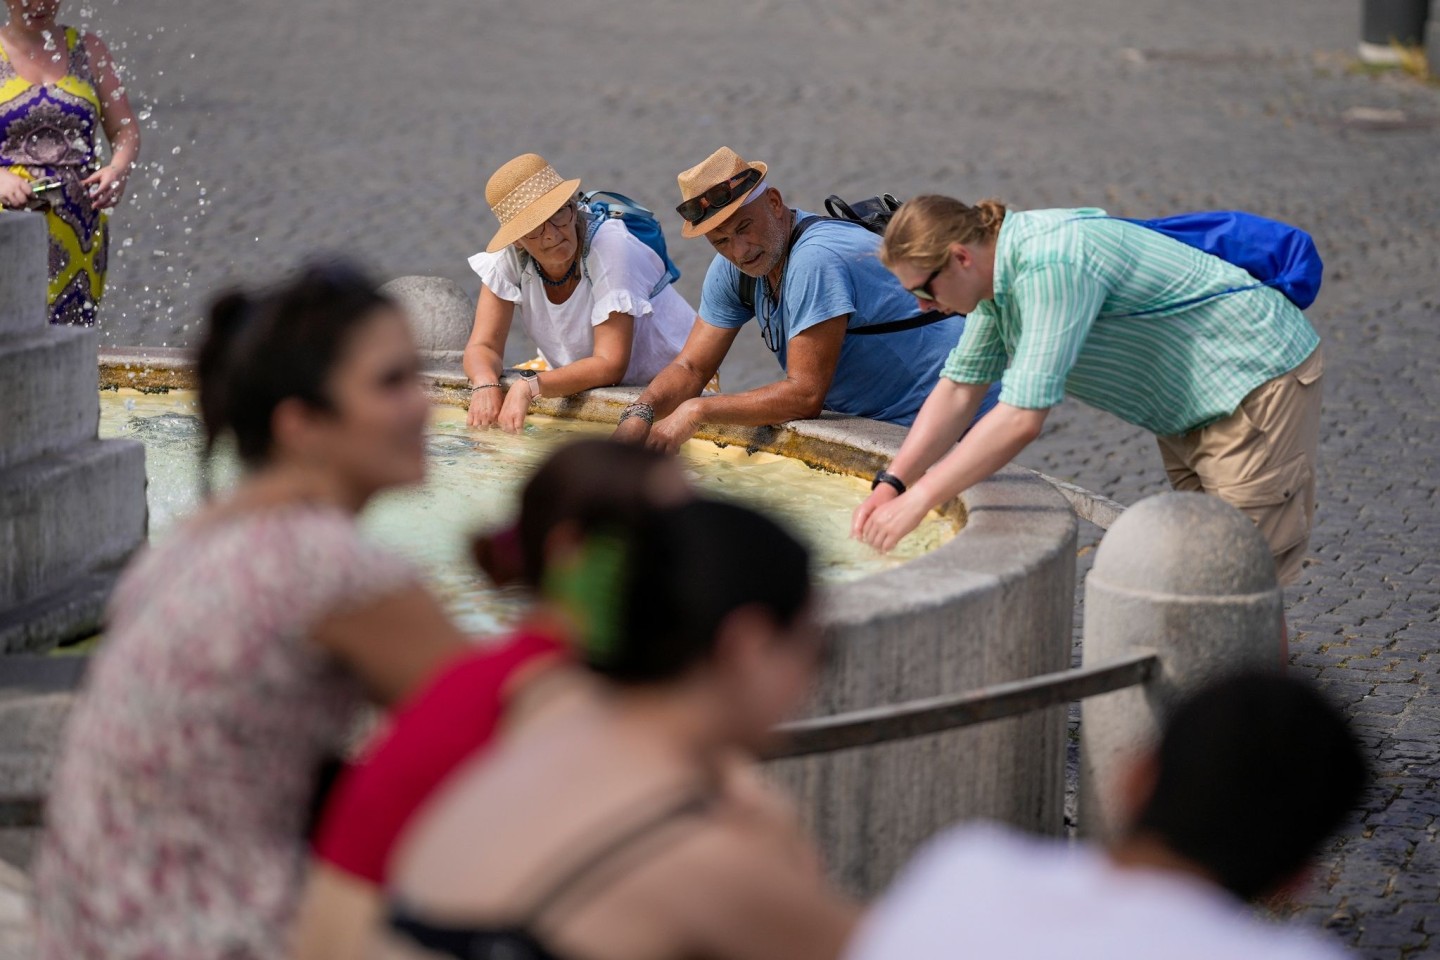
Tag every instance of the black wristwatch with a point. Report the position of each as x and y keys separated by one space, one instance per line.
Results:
x=882 y=477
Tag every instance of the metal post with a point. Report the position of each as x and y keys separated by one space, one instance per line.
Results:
x=1388 y=24
x=1188 y=576
x=1432 y=40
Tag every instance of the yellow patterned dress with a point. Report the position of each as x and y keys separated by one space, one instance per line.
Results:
x=52 y=130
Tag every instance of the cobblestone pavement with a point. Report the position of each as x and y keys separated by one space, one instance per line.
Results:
x=275 y=128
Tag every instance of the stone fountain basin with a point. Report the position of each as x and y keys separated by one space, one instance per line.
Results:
x=991 y=605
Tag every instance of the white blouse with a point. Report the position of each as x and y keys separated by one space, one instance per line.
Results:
x=619 y=273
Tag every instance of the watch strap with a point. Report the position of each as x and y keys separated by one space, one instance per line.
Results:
x=887 y=478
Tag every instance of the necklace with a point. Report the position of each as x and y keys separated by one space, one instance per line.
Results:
x=770 y=306
x=569 y=274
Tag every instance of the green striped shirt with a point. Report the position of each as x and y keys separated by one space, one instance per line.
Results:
x=1060 y=322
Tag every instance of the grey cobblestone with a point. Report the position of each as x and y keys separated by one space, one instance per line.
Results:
x=275 y=129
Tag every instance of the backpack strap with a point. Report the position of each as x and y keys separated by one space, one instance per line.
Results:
x=597 y=220
x=747 y=287
x=619 y=200
x=909 y=323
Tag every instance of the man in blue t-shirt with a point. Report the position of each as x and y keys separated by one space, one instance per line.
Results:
x=811 y=297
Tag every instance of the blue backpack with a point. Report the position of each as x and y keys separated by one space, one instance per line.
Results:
x=1275 y=254
x=604 y=205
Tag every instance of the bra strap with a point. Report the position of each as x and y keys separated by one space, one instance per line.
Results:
x=691 y=804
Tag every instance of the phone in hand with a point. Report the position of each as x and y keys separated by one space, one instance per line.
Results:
x=41 y=190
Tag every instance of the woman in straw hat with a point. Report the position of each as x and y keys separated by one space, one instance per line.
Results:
x=583 y=293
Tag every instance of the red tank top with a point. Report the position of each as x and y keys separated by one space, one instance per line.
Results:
x=444 y=725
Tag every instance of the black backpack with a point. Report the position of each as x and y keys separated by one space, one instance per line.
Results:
x=874 y=215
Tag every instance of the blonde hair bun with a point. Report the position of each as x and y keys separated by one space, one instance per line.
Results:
x=924 y=227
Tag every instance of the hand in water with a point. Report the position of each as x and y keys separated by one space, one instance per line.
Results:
x=880 y=496
x=517 y=404
x=484 y=408
x=669 y=434
x=894 y=521
x=633 y=430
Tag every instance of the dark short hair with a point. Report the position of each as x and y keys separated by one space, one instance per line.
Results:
x=263 y=348
x=685 y=570
x=1255 y=771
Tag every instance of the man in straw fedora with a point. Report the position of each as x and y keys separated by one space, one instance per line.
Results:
x=810 y=292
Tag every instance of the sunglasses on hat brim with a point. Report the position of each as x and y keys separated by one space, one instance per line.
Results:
x=699 y=207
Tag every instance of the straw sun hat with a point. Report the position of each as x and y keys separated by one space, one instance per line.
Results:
x=715 y=169
x=523 y=194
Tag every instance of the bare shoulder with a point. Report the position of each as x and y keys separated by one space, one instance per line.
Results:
x=96 y=48
x=737 y=893
x=754 y=799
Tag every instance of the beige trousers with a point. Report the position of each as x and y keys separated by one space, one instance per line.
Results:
x=1261 y=459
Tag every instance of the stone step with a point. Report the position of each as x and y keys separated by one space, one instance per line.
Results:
x=75 y=611
x=24 y=260
x=31 y=734
x=68 y=514
x=23 y=676
x=49 y=392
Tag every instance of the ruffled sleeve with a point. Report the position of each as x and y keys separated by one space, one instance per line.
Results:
x=622 y=271
x=500 y=272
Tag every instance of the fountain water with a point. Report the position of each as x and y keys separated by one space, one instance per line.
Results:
x=991 y=604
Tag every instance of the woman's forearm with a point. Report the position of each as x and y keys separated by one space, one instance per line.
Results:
x=124 y=147
x=482 y=364
x=994 y=441
x=943 y=417
x=583 y=374
x=674 y=385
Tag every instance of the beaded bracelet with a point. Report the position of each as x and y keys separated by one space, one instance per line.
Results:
x=643 y=411
x=485 y=386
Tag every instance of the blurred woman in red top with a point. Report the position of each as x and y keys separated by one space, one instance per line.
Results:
x=478 y=695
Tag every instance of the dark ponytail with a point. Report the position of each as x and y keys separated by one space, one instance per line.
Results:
x=228 y=316
x=260 y=350
x=655 y=596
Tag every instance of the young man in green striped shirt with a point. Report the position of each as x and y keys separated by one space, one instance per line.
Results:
x=1125 y=319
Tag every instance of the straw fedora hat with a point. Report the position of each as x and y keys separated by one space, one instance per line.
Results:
x=716 y=169
x=523 y=194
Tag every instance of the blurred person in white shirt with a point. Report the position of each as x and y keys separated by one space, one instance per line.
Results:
x=1252 y=774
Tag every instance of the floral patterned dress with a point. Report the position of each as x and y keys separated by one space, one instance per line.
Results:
x=178 y=808
x=51 y=130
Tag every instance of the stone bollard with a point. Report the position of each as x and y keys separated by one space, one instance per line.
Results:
x=439 y=311
x=1187 y=576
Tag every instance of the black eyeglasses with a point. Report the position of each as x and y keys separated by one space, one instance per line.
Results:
x=560 y=219
x=722 y=194
x=922 y=292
